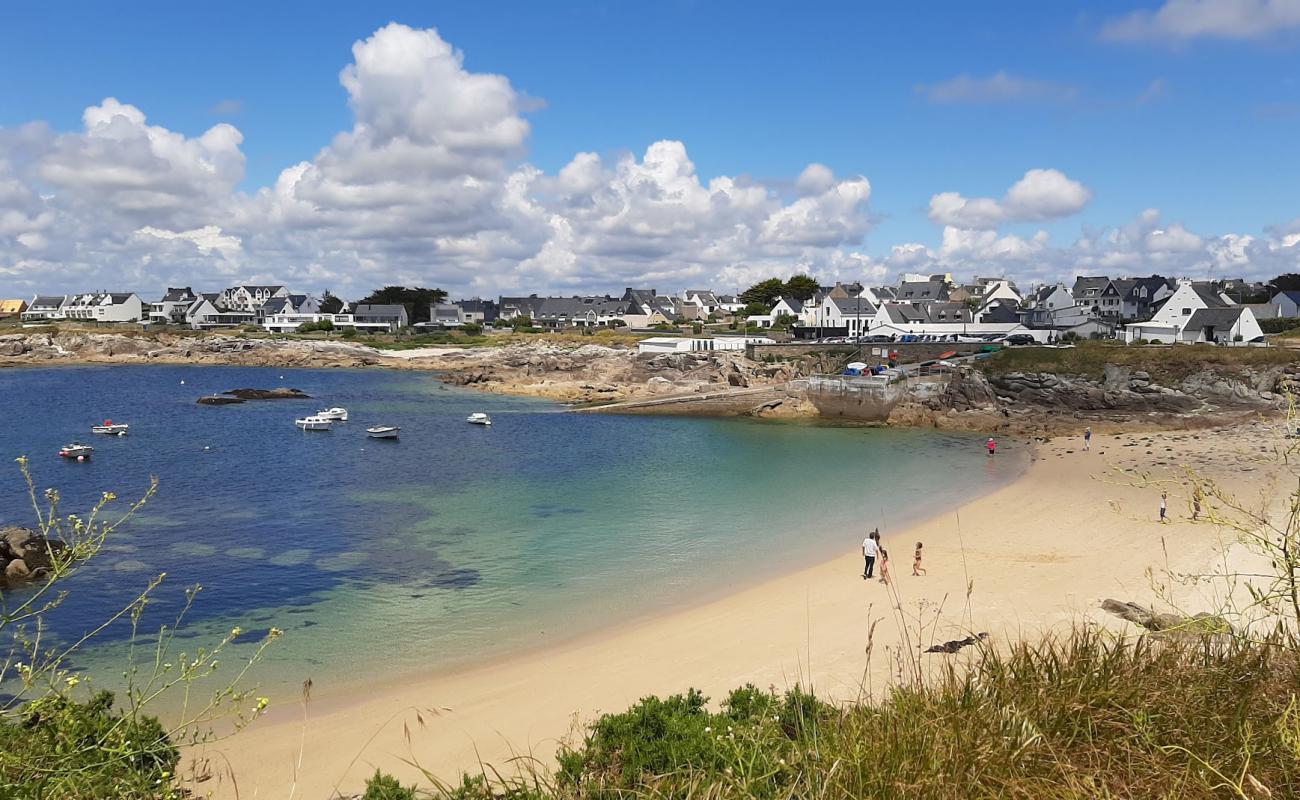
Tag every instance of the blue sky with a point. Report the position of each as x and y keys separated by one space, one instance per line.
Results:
x=918 y=98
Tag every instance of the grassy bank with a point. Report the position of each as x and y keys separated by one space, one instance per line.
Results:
x=1164 y=363
x=1086 y=716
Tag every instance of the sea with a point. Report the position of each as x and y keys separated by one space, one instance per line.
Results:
x=451 y=545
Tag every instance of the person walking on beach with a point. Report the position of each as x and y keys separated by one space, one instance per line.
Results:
x=1164 y=506
x=870 y=548
x=992 y=446
x=1196 y=504
x=1087 y=439
x=884 y=566
x=917 y=569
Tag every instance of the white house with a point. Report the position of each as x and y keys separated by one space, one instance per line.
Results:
x=247 y=297
x=1223 y=325
x=173 y=305
x=105 y=307
x=1288 y=303
x=203 y=315
x=1175 y=312
x=45 y=308
x=999 y=289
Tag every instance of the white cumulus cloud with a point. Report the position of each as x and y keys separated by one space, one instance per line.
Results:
x=1178 y=21
x=1040 y=195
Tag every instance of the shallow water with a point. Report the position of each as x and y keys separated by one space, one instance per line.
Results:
x=455 y=542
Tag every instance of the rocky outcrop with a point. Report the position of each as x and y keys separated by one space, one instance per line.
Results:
x=25 y=555
x=179 y=348
x=596 y=373
x=1116 y=393
x=235 y=396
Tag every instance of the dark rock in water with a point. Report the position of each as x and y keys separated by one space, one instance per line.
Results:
x=26 y=555
x=240 y=395
x=957 y=644
x=268 y=394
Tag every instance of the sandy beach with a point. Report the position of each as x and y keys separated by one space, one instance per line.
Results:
x=1040 y=553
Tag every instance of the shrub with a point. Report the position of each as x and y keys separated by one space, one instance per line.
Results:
x=71 y=749
x=386 y=787
x=1279 y=325
x=472 y=328
x=349 y=333
x=319 y=325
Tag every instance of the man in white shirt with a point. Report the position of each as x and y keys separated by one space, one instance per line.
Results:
x=870 y=547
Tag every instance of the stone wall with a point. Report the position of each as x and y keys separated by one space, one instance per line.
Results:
x=909 y=353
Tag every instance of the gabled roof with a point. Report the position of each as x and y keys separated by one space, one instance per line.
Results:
x=393 y=309
x=1045 y=292
x=47 y=301
x=1209 y=295
x=1095 y=283
x=1216 y=317
x=1291 y=294
x=118 y=298
x=178 y=295
x=853 y=306
x=922 y=290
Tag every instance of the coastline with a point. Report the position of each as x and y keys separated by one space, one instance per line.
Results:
x=1022 y=549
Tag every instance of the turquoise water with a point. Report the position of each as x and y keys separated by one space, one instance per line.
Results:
x=456 y=542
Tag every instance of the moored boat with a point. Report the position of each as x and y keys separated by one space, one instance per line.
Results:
x=337 y=414
x=383 y=432
x=479 y=418
x=110 y=428
x=315 y=422
x=81 y=452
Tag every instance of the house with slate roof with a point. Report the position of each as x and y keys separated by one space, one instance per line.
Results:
x=1287 y=302
x=1176 y=318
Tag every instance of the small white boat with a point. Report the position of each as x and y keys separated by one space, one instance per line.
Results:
x=118 y=429
x=479 y=418
x=337 y=414
x=81 y=452
x=314 y=423
x=383 y=432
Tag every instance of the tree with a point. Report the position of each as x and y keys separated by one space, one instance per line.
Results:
x=329 y=304
x=784 y=321
x=801 y=287
x=756 y=309
x=416 y=300
x=764 y=293
x=1289 y=282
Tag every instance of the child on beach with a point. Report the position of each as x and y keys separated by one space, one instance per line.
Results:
x=1087 y=439
x=992 y=445
x=1164 y=506
x=917 y=569
x=884 y=566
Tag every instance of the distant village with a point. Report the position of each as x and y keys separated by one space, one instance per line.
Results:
x=925 y=307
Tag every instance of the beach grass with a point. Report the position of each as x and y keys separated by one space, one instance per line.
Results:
x=1087 y=715
x=1163 y=363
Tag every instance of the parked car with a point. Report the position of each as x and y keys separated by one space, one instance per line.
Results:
x=1020 y=339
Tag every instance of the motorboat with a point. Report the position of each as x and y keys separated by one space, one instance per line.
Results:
x=479 y=418
x=337 y=414
x=110 y=428
x=81 y=452
x=383 y=432
x=315 y=422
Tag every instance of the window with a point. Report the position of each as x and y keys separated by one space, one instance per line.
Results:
x=1187 y=312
